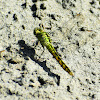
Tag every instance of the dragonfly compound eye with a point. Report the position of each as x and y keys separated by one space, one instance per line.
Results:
x=37 y=31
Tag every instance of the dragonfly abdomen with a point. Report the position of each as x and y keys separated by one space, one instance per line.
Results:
x=58 y=58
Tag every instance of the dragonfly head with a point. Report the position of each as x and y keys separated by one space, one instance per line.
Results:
x=37 y=31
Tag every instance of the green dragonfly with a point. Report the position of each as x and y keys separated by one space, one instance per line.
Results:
x=45 y=40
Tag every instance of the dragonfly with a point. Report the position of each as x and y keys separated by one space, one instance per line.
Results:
x=45 y=41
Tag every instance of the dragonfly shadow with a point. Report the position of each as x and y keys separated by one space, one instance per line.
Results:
x=30 y=52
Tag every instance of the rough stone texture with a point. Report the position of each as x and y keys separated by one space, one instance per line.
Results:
x=74 y=27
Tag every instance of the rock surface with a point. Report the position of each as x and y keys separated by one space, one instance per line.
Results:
x=26 y=73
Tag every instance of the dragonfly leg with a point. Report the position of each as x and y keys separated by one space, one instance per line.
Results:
x=38 y=57
x=43 y=50
x=36 y=43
